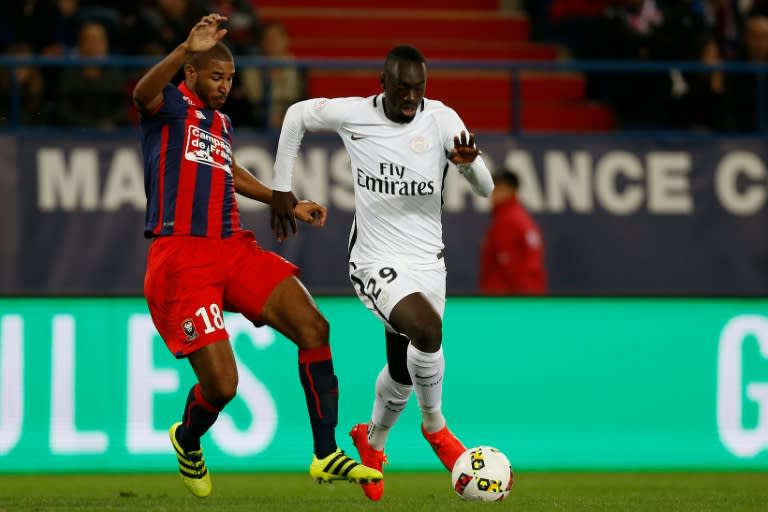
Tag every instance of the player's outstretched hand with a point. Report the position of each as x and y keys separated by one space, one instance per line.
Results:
x=464 y=150
x=311 y=212
x=281 y=214
x=206 y=33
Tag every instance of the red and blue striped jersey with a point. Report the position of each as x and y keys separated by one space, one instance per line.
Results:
x=188 y=180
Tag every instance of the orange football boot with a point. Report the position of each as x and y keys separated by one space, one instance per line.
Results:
x=370 y=457
x=446 y=446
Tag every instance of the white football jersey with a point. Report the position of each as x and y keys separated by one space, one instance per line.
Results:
x=398 y=170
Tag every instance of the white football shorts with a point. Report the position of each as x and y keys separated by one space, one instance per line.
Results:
x=380 y=286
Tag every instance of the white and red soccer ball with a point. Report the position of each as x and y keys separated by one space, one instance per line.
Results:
x=482 y=473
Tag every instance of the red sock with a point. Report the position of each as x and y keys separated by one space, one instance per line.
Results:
x=198 y=417
x=321 y=389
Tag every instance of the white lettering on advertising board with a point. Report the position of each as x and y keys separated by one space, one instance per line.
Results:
x=738 y=438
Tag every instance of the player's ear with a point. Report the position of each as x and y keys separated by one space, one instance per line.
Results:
x=189 y=71
x=381 y=79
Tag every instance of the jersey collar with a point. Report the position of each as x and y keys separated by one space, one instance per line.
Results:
x=384 y=105
x=190 y=96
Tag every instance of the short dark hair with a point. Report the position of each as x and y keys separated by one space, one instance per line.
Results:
x=505 y=175
x=219 y=51
x=403 y=52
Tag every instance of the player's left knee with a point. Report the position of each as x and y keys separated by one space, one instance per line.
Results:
x=427 y=337
x=221 y=392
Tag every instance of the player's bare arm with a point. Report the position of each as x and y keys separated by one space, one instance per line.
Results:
x=464 y=150
x=282 y=215
x=248 y=185
x=148 y=93
x=311 y=213
x=464 y=155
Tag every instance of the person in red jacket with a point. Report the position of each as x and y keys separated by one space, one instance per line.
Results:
x=512 y=258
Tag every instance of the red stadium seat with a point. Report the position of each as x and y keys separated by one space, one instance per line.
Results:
x=445 y=30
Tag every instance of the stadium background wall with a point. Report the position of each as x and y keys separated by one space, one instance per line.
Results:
x=620 y=215
x=556 y=383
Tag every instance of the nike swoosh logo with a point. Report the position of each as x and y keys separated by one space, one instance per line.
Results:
x=425 y=376
x=358 y=137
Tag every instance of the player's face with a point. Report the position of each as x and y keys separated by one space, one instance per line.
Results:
x=404 y=85
x=501 y=192
x=213 y=81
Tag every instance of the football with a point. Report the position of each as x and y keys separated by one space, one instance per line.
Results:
x=482 y=473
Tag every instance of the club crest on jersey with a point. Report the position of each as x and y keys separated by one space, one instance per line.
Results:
x=205 y=147
x=419 y=144
x=189 y=329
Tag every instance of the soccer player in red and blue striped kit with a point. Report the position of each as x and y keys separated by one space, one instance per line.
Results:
x=201 y=261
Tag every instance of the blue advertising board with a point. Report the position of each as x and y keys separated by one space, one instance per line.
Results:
x=634 y=216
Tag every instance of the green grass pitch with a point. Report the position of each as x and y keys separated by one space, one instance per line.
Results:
x=407 y=492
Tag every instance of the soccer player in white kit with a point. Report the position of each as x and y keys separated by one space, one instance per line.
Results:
x=399 y=143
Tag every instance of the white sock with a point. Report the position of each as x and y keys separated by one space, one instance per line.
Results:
x=391 y=399
x=426 y=370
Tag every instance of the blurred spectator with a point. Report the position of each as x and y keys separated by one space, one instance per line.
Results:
x=757 y=7
x=152 y=49
x=538 y=12
x=29 y=82
x=243 y=25
x=582 y=25
x=641 y=16
x=724 y=18
x=7 y=36
x=592 y=30
x=664 y=31
x=743 y=90
x=264 y=95
x=512 y=258
x=698 y=97
x=163 y=22
x=49 y=26
x=639 y=99
x=115 y=15
x=92 y=96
